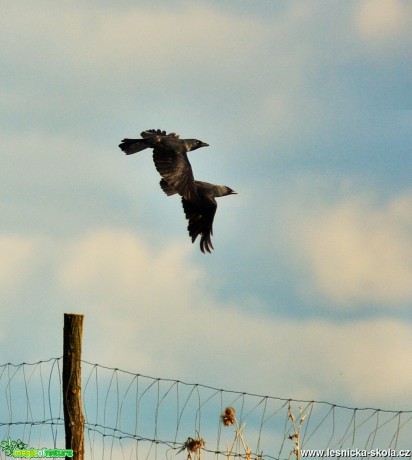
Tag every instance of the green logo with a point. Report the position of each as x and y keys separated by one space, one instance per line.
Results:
x=18 y=449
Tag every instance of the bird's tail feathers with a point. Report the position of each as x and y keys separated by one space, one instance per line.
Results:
x=130 y=146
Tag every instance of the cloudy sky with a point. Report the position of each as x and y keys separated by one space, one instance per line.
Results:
x=307 y=107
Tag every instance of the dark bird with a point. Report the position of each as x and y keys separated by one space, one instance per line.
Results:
x=171 y=161
x=169 y=156
x=200 y=209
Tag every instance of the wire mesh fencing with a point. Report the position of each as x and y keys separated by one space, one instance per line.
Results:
x=31 y=406
x=133 y=416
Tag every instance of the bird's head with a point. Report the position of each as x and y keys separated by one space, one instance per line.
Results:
x=194 y=144
x=228 y=191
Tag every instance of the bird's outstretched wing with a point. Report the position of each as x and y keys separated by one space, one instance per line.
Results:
x=200 y=215
x=175 y=168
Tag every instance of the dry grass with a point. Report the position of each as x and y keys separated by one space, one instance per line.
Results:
x=239 y=447
x=296 y=430
x=228 y=418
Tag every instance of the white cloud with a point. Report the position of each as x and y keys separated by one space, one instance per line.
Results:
x=16 y=257
x=152 y=312
x=142 y=38
x=120 y=268
x=360 y=252
x=130 y=290
x=129 y=61
x=382 y=20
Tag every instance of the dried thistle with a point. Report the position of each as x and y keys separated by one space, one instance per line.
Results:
x=193 y=445
x=228 y=416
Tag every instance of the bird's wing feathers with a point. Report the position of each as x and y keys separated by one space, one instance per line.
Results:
x=175 y=168
x=200 y=215
x=167 y=188
x=157 y=132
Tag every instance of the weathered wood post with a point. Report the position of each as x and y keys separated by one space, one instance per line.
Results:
x=72 y=384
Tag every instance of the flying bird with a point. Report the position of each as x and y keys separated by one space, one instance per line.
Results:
x=200 y=210
x=169 y=156
x=171 y=161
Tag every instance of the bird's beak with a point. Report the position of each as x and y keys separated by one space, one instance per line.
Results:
x=233 y=192
x=203 y=144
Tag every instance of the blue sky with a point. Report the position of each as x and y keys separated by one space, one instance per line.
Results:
x=307 y=108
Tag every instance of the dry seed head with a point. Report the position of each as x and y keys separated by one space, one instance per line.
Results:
x=228 y=416
x=192 y=445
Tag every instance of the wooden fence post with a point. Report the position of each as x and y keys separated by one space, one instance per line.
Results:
x=72 y=384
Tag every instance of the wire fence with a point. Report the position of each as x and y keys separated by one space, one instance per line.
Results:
x=133 y=416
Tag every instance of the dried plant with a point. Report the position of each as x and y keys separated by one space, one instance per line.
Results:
x=228 y=418
x=297 y=426
x=193 y=446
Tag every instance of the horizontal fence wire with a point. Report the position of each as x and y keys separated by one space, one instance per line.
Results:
x=132 y=416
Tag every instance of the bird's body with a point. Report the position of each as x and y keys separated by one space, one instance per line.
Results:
x=153 y=138
x=172 y=163
x=200 y=212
